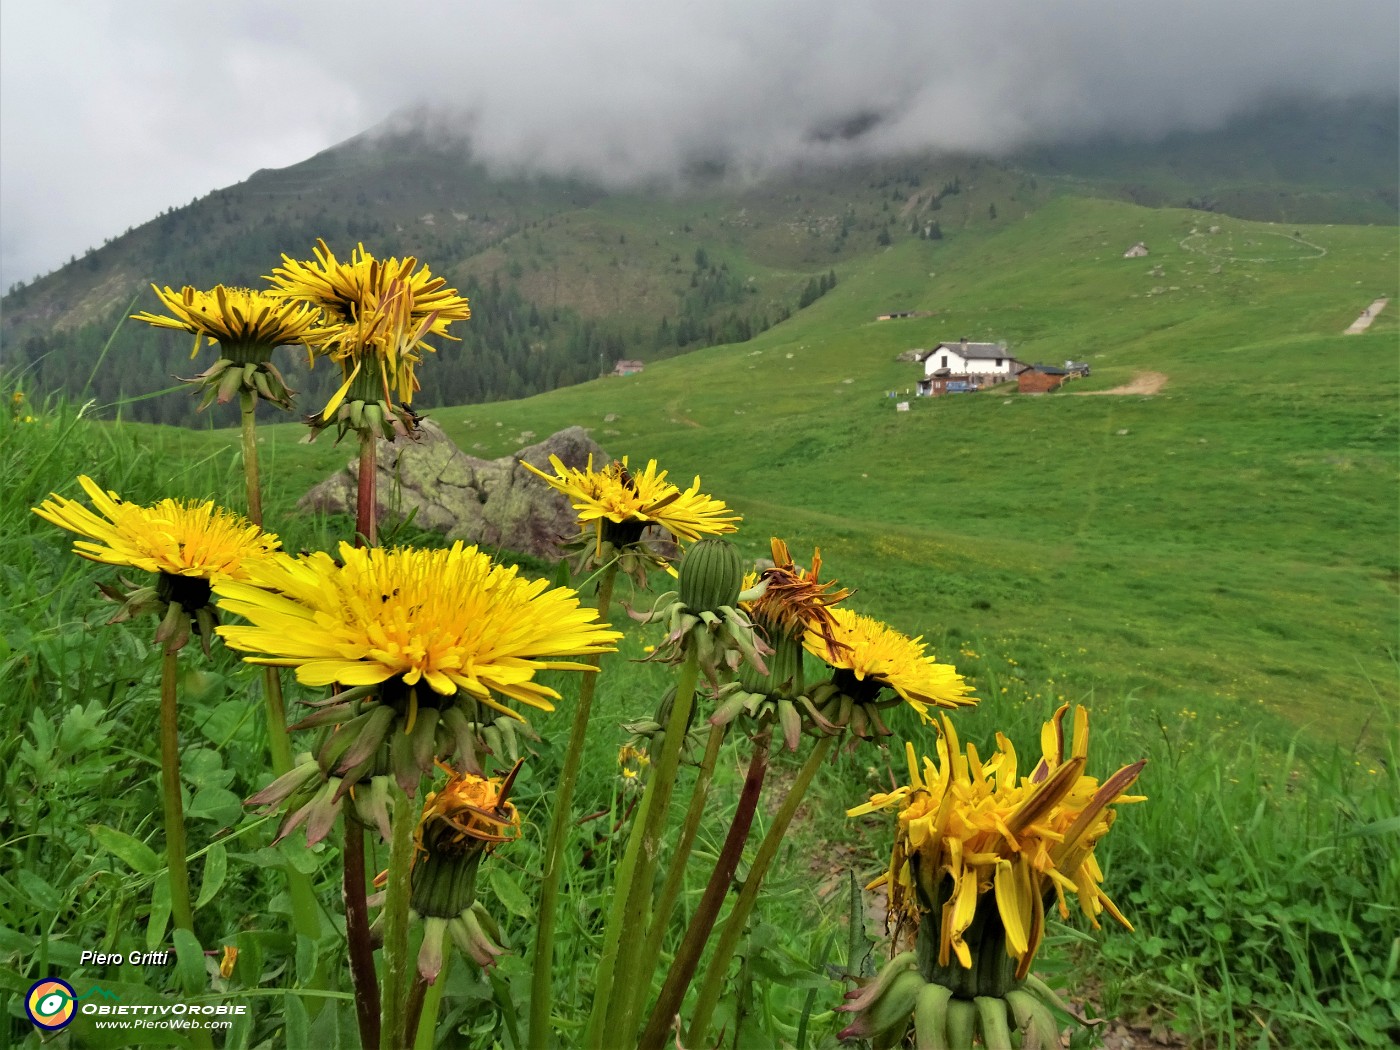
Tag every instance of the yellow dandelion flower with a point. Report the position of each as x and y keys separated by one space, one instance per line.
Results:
x=378 y=312
x=248 y=325
x=869 y=656
x=972 y=833
x=451 y=619
x=173 y=537
x=631 y=761
x=240 y=320
x=190 y=545
x=615 y=495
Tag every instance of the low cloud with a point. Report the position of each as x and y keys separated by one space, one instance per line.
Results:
x=110 y=112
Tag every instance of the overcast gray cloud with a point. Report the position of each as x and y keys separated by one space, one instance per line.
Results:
x=112 y=110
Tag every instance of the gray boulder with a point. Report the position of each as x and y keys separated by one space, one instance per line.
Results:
x=490 y=502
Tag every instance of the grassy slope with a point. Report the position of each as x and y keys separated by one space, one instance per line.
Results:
x=1294 y=163
x=1230 y=537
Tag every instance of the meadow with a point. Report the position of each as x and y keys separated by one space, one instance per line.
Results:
x=1211 y=569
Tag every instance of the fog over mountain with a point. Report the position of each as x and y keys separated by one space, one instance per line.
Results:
x=112 y=111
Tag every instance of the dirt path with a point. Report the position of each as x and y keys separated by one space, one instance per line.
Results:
x=1143 y=383
x=1200 y=243
x=1367 y=316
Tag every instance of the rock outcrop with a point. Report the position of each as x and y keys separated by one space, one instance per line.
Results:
x=493 y=503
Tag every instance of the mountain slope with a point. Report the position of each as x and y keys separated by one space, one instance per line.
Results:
x=569 y=277
x=1231 y=536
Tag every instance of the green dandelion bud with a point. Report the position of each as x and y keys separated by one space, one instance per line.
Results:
x=711 y=576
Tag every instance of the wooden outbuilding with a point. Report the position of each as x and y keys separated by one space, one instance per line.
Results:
x=1041 y=379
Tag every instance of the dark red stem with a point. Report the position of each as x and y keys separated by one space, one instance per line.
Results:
x=357 y=934
x=682 y=971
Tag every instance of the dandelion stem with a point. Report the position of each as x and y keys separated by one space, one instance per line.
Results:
x=248 y=404
x=279 y=745
x=541 y=995
x=629 y=985
x=362 y=973
x=306 y=910
x=366 y=499
x=743 y=907
x=368 y=1001
x=594 y=1035
x=180 y=909
x=697 y=934
x=428 y=1011
x=675 y=877
x=393 y=1007
x=414 y=1013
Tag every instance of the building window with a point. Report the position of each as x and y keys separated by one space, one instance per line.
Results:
x=943 y=361
x=998 y=362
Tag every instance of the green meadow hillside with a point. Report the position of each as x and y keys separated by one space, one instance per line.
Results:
x=1230 y=537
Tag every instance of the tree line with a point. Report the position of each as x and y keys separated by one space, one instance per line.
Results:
x=511 y=348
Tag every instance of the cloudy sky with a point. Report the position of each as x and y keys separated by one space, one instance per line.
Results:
x=112 y=110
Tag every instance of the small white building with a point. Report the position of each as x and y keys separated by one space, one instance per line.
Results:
x=972 y=359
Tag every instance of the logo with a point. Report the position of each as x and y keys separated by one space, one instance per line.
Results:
x=50 y=1004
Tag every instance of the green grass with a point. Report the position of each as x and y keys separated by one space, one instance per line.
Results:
x=1231 y=538
x=1212 y=569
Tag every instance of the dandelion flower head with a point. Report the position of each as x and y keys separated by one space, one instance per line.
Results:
x=450 y=618
x=870 y=656
x=967 y=827
x=241 y=320
x=615 y=494
x=173 y=537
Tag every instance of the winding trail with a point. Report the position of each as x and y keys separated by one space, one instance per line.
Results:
x=1198 y=242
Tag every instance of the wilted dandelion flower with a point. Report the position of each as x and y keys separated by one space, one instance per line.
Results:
x=378 y=312
x=228 y=961
x=788 y=603
x=190 y=545
x=461 y=823
x=870 y=657
x=469 y=814
x=979 y=847
x=248 y=325
x=793 y=600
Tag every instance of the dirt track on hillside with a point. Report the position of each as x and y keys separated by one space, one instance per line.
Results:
x=1143 y=383
x=1364 y=321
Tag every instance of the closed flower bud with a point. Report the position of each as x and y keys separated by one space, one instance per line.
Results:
x=711 y=576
